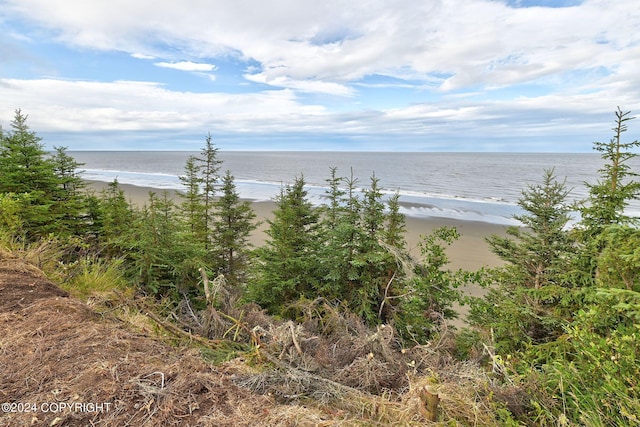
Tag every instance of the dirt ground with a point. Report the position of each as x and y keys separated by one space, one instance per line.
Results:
x=62 y=364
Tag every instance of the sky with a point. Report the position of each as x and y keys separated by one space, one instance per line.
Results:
x=386 y=75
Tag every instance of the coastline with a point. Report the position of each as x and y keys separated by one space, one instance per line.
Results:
x=470 y=252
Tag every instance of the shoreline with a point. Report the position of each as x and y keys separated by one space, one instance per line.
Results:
x=469 y=252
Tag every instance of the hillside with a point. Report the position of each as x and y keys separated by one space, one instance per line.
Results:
x=80 y=368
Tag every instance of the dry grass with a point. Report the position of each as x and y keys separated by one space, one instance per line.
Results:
x=330 y=370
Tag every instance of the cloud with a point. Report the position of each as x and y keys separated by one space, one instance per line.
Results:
x=142 y=56
x=186 y=66
x=476 y=42
x=310 y=85
x=461 y=70
x=124 y=108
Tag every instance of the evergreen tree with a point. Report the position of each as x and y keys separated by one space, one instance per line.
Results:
x=164 y=261
x=378 y=268
x=26 y=169
x=611 y=194
x=396 y=224
x=524 y=305
x=341 y=236
x=24 y=164
x=69 y=200
x=193 y=208
x=115 y=216
x=425 y=299
x=202 y=180
x=209 y=178
x=607 y=200
x=233 y=225
x=335 y=209
x=286 y=262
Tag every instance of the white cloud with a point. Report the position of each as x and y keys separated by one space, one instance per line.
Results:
x=186 y=66
x=310 y=85
x=81 y=106
x=476 y=42
x=486 y=69
x=142 y=56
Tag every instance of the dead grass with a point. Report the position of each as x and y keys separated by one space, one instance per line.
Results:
x=328 y=370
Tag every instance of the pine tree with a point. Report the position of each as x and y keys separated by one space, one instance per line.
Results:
x=425 y=300
x=69 y=200
x=210 y=177
x=616 y=187
x=115 y=216
x=396 y=224
x=335 y=208
x=525 y=304
x=607 y=201
x=24 y=164
x=377 y=266
x=233 y=225
x=192 y=207
x=202 y=180
x=26 y=169
x=286 y=262
x=340 y=235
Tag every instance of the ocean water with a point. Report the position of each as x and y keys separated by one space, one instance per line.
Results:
x=467 y=186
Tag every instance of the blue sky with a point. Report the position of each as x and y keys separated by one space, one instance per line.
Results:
x=395 y=75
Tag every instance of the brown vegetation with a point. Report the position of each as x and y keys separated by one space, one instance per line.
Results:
x=328 y=370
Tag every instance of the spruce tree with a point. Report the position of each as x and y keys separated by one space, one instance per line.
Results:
x=202 y=179
x=26 y=169
x=525 y=306
x=69 y=199
x=209 y=178
x=286 y=263
x=608 y=198
x=192 y=207
x=616 y=187
x=115 y=216
x=232 y=228
x=341 y=236
x=24 y=164
x=377 y=266
x=395 y=228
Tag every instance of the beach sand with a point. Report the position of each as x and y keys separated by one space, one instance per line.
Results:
x=470 y=252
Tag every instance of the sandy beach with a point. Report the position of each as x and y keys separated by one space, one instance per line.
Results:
x=470 y=252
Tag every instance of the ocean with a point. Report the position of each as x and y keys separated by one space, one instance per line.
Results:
x=466 y=186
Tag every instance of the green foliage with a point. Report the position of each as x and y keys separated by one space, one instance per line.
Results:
x=70 y=202
x=93 y=276
x=358 y=251
x=429 y=296
x=234 y=223
x=26 y=169
x=567 y=305
x=527 y=302
x=164 y=259
x=286 y=261
x=596 y=382
x=11 y=208
x=354 y=258
x=341 y=235
x=114 y=217
x=619 y=261
x=192 y=207
x=611 y=194
x=24 y=166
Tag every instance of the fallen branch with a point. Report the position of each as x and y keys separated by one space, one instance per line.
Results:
x=174 y=330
